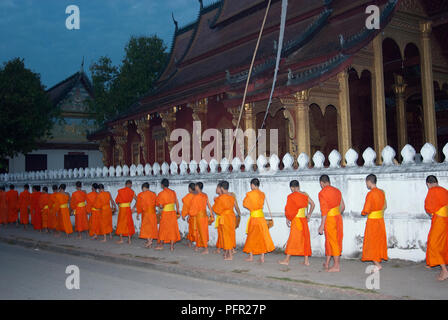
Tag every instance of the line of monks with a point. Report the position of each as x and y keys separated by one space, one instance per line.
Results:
x=93 y=214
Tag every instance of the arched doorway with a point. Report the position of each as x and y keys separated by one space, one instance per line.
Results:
x=323 y=130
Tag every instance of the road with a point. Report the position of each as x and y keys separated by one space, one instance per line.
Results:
x=35 y=274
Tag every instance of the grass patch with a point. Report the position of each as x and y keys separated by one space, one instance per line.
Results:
x=323 y=285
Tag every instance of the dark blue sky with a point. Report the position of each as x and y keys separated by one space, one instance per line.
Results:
x=35 y=30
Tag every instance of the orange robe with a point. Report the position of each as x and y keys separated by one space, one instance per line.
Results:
x=24 y=207
x=258 y=239
x=52 y=223
x=198 y=209
x=223 y=206
x=125 y=223
x=436 y=203
x=90 y=199
x=146 y=206
x=299 y=241
x=44 y=199
x=103 y=225
x=36 y=216
x=186 y=204
x=168 y=229
x=64 y=222
x=12 y=201
x=3 y=208
x=375 y=239
x=330 y=201
x=78 y=205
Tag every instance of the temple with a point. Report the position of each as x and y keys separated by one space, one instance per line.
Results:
x=340 y=85
x=68 y=146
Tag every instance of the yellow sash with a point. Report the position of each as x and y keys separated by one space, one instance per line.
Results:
x=124 y=205
x=376 y=214
x=65 y=205
x=219 y=219
x=95 y=209
x=46 y=207
x=334 y=212
x=254 y=214
x=81 y=204
x=443 y=212
x=168 y=207
x=300 y=214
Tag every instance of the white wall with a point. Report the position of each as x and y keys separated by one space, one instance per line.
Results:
x=407 y=224
x=55 y=159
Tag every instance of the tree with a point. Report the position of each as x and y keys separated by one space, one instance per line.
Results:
x=117 y=88
x=26 y=112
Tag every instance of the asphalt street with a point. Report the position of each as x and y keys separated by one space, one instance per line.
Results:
x=35 y=274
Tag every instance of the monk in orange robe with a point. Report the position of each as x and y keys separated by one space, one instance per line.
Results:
x=24 y=206
x=436 y=205
x=3 y=207
x=332 y=206
x=125 y=223
x=299 y=241
x=168 y=229
x=198 y=208
x=12 y=201
x=258 y=239
x=146 y=206
x=64 y=222
x=44 y=200
x=219 y=240
x=36 y=215
x=78 y=205
x=223 y=207
x=104 y=203
x=53 y=210
x=90 y=200
x=375 y=239
x=186 y=204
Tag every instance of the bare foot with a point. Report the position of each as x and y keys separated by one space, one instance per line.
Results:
x=94 y=238
x=205 y=251
x=260 y=261
x=284 y=262
x=119 y=241
x=171 y=249
x=442 y=276
x=325 y=266
x=305 y=263
x=217 y=251
x=334 y=269
x=249 y=259
x=158 y=248
x=376 y=269
x=228 y=259
x=104 y=240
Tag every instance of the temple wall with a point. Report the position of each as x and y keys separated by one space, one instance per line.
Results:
x=407 y=224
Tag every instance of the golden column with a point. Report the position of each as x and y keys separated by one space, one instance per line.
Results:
x=169 y=123
x=142 y=130
x=249 y=124
x=400 y=89
x=429 y=114
x=121 y=137
x=104 y=147
x=378 y=98
x=344 y=122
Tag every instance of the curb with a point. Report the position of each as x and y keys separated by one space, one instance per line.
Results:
x=313 y=290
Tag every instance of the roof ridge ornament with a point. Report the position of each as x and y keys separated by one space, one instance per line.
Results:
x=175 y=22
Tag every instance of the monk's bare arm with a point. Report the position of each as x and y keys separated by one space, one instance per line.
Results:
x=237 y=208
x=210 y=208
x=312 y=206
x=342 y=209
x=177 y=206
x=322 y=224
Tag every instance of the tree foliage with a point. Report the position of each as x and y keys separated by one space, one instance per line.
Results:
x=117 y=88
x=26 y=112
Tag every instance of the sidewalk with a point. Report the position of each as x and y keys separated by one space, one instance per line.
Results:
x=398 y=279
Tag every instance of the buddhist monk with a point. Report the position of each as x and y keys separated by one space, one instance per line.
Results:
x=186 y=204
x=12 y=201
x=375 y=240
x=24 y=206
x=299 y=241
x=146 y=206
x=219 y=240
x=125 y=223
x=258 y=239
x=64 y=222
x=44 y=201
x=106 y=205
x=332 y=206
x=168 y=229
x=3 y=207
x=36 y=215
x=198 y=208
x=90 y=200
x=223 y=207
x=78 y=205
x=436 y=205
x=53 y=210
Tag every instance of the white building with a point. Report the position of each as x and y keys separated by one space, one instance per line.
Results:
x=68 y=148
